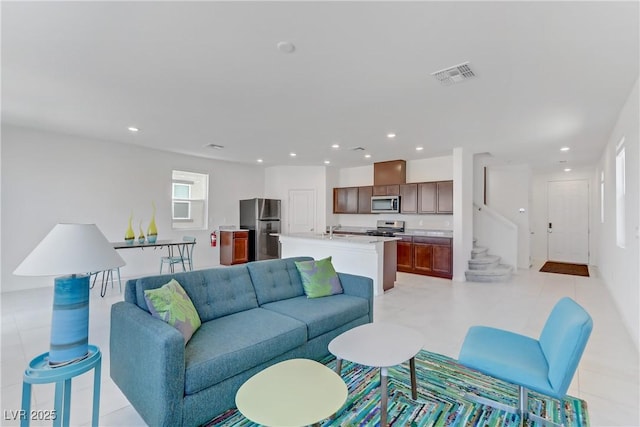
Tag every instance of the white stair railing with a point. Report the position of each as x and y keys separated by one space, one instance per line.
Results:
x=496 y=232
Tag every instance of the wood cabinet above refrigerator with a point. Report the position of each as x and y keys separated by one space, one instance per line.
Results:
x=390 y=173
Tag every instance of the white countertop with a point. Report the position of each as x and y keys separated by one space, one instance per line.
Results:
x=428 y=233
x=407 y=232
x=340 y=238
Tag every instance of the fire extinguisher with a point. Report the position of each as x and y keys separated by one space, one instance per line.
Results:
x=214 y=239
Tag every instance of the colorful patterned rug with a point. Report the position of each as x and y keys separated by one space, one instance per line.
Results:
x=442 y=385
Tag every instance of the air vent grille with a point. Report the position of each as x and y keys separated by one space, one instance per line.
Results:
x=357 y=149
x=455 y=74
x=215 y=146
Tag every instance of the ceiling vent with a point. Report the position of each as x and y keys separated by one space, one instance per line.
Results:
x=453 y=75
x=357 y=149
x=215 y=146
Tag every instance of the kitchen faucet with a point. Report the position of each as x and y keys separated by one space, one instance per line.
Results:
x=331 y=228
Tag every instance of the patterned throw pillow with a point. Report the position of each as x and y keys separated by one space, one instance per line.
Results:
x=319 y=278
x=171 y=304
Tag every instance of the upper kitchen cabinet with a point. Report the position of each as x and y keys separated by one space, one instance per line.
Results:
x=345 y=200
x=386 y=190
x=389 y=173
x=445 y=197
x=409 y=198
x=364 y=199
x=427 y=197
x=435 y=197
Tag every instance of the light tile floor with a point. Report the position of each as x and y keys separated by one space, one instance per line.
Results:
x=607 y=377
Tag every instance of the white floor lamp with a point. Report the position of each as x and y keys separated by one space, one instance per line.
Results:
x=72 y=250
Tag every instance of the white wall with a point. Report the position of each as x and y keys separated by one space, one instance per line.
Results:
x=49 y=178
x=508 y=190
x=619 y=266
x=432 y=169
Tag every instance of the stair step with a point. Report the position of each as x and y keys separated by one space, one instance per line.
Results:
x=502 y=273
x=485 y=262
x=479 y=251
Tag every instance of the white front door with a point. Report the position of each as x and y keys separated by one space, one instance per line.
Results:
x=302 y=211
x=568 y=221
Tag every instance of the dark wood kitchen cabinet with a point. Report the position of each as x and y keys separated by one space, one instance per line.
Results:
x=445 y=196
x=415 y=198
x=435 y=197
x=429 y=256
x=364 y=199
x=405 y=254
x=345 y=200
x=234 y=247
x=427 y=197
x=391 y=172
x=409 y=198
x=386 y=190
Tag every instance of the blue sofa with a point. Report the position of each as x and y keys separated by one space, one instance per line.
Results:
x=253 y=315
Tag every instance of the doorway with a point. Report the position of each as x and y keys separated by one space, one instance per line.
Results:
x=568 y=221
x=302 y=211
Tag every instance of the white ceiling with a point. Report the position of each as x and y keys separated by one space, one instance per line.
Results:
x=549 y=74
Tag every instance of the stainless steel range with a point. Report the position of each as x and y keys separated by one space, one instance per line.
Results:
x=387 y=228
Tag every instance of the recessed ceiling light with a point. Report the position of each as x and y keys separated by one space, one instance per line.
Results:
x=133 y=129
x=292 y=154
x=286 y=47
x=259 y=160
x=565 y=149
x=326 y=162
x=419 y=148
x=391 y=135
x=567 y=169
x=366 y=156
x=335 y=146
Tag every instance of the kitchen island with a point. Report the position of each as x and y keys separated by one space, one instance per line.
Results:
x=369 y=256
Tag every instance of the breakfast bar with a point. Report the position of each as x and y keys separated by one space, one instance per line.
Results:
x=370 y=256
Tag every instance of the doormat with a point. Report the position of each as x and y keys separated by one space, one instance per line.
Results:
x=444 y=387
x=565 y=268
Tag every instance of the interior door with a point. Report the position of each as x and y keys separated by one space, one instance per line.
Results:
x=302 y=211
x=568 y=221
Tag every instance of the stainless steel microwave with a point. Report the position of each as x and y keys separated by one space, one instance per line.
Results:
x=385 y=204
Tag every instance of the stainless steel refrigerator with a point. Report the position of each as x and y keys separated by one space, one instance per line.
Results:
x=262 y=218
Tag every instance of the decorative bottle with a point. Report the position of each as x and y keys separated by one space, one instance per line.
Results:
x=152 y=231
x=141 y=235
x=129 y=235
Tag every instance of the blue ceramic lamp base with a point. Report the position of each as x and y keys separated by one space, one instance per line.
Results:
x=70 y=320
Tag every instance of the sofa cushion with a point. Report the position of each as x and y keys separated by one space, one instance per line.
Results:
x=229 y=345
x=171 y=304
x=319 y=278
x=276 y=279
x=322 y=315
x=215 y=292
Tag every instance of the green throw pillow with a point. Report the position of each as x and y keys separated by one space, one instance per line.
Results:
x=171 y=304
x=319 y=278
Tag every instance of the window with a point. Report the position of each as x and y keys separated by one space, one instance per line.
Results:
x=181 y=201
x=189 y=200
x=620 y=194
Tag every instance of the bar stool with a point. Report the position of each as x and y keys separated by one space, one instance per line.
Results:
x=39 y=372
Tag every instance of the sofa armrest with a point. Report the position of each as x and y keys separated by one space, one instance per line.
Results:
x=359 y=286
x=147 y=363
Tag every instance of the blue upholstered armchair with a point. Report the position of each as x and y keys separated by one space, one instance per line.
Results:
x=545 y=365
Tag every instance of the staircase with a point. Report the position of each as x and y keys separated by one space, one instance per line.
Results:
x=486 y=268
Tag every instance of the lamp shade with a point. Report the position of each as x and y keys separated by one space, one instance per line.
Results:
x=71 y=249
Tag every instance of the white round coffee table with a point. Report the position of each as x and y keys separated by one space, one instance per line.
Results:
x=292 y=393
x=379 y=345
